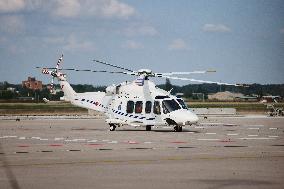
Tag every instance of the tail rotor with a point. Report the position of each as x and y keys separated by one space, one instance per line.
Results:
x=53 y=73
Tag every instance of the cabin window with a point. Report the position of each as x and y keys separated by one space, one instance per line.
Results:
x=83 y=100
x=130 y=107
x=157 y=108
x=138 y=107
x=148 y=107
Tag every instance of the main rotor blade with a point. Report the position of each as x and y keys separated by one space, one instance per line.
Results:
x=112 y=65
x=198 y=80
x=45 y=67
x=97 y=71
x=58 y=62
x=183 y=73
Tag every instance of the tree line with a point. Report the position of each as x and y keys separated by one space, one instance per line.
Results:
x=253 y=89
x=187 y=90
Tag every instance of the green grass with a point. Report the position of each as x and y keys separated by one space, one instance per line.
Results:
x=240 y=106
x=67 y=107
x=39 y=108
x=36 y=106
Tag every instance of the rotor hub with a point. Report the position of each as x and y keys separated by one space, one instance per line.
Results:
x=146 y=72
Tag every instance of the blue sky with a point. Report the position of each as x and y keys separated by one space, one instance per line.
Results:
x=243 y=40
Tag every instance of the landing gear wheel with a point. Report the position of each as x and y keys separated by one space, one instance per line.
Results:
x=178 y=128
x=112 y=127
x=148 y=127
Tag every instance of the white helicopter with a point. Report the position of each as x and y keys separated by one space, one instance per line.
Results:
x=136 y=103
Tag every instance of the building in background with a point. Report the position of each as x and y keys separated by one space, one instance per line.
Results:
x=225 y=96
x=32 y=83
x=230 y=96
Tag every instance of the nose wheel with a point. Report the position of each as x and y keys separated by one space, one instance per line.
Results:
x=112 y=127
x=178 y=128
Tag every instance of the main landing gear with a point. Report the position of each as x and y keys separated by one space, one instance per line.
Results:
x=112 y=127
x=178 y=128
x=148 y=127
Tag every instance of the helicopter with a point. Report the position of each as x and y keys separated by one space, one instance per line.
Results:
x=139 y=103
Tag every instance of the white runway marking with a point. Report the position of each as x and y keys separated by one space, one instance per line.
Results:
x=22 y=138
x=9 y=137
x=68 y=140
x=273 y=136
x=198 y=127
x=252 y=135
x=92 y=141
x=56 y=139
x=232 y=134
x=230 y=124
x=113 y=142
x=43 y=139
x=273 y=128
x=148 y=142
x=37 y=138
x=210 y=133
x=79 y=139
x=263 y=138
x=253 y=128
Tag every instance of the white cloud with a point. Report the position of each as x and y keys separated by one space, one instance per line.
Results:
x=72 y=8
x=114 y=8
x=72 y=43
x=221 y=28
x=67 y=8
x=140 y=30
x=177 y=44
x=11 y=5
x=12 y=24
x=130 y=44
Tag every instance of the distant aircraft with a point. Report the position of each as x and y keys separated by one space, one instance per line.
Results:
x=62 y=100
x=136 y=103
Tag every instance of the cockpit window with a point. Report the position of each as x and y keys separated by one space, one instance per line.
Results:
x=169 y=106
x=181 y=102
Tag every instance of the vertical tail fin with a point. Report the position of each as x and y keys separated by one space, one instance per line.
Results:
x=69 y=92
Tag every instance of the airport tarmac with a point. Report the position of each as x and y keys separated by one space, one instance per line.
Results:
x=221 y=152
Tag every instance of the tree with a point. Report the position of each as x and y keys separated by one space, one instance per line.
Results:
x=168 y=85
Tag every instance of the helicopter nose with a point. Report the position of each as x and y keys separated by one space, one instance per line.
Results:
x=194 y=118
x=184 y=117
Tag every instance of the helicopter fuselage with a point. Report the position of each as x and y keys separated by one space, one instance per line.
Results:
x=137 y=104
